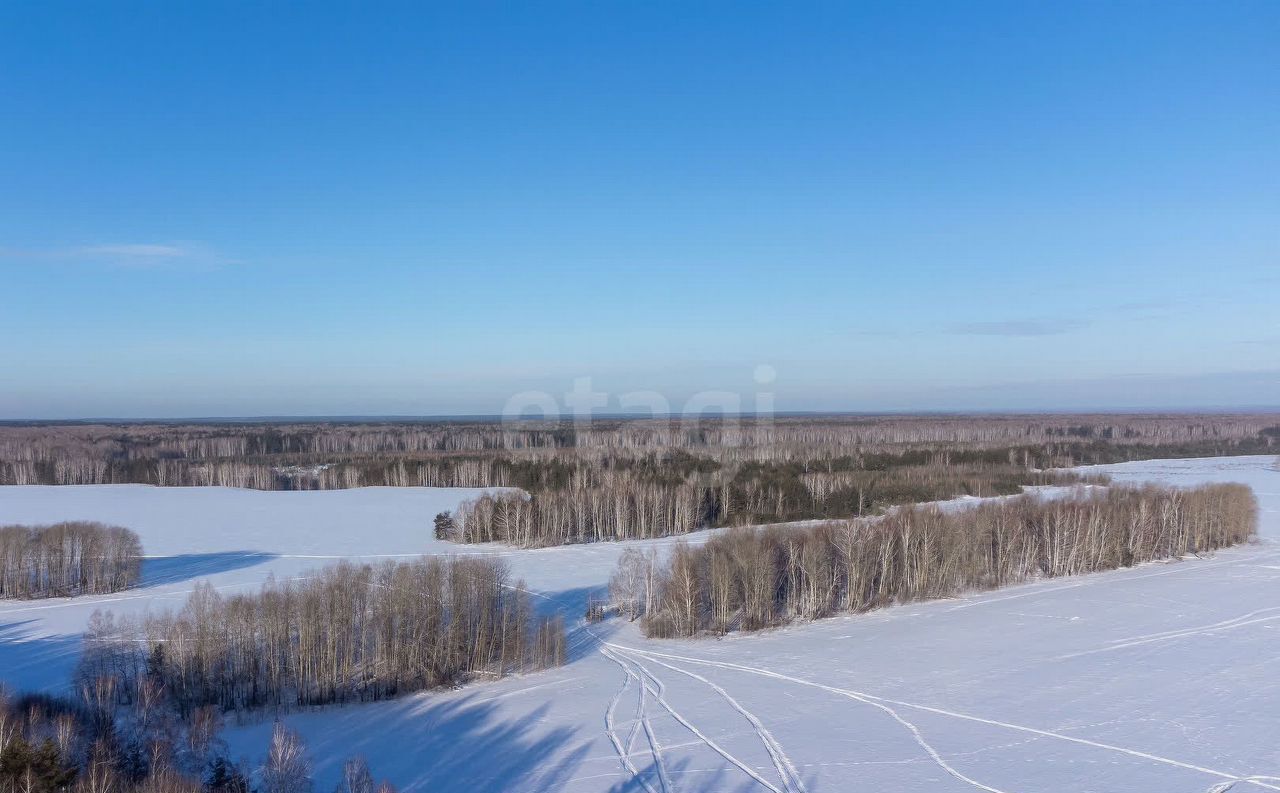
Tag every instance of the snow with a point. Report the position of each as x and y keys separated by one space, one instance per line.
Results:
x=1164 y=677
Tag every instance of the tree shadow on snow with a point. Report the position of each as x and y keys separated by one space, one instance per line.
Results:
x=42 y=663
x=184 y=567
x=453 y=745
x=571 y=604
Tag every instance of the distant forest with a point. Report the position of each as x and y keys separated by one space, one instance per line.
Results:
x=614 y=479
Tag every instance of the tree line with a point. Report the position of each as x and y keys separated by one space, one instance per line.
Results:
x=54 y=744
x=346 y=633
x=753 y=579
x=215 y=440
x=67 y=559
x=151 y=691
x=327 y=455
x=620 y=505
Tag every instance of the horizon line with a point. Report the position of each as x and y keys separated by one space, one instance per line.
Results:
x=442 y=418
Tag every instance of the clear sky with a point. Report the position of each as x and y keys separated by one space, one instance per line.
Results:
x=223 y=209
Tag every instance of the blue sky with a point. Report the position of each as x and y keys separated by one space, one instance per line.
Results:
x=220 y=209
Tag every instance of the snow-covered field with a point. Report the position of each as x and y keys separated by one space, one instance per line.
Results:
x=1155 y=679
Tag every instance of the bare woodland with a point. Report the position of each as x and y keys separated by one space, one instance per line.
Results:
x=621 y=479
x=752 y=579
x=151 y=692
x=67 y=559
x=62 y=745
x=625 y=507
x=538 y=454
x=348 y=633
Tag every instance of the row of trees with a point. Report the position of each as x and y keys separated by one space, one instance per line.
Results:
x=195 y=441
x=622 y=509
x=617 y=505
x=752 y=579
x=482 y=454
x=58 y=745
x=345 y=633
x=67 y=559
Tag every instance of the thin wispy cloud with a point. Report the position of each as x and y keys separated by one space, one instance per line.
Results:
x=140 y=255
x=1270 y=342
x=158 y=255
x=1146 y=305
x=1017 y=327
x=137 y=250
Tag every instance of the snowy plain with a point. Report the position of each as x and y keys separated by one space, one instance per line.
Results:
x=1164 y=677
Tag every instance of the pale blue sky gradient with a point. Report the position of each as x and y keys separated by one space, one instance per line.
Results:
x=215 y=209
